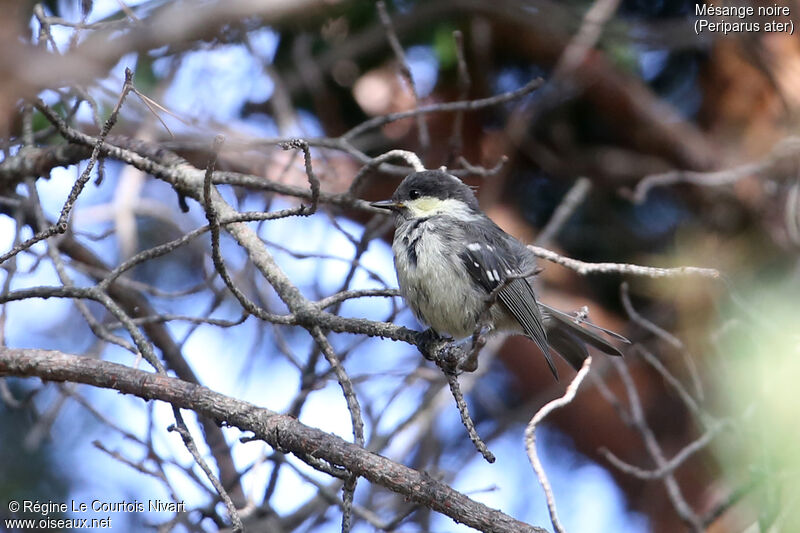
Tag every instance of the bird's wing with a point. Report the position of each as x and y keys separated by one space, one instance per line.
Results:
x=487 y=266
x=586 y=334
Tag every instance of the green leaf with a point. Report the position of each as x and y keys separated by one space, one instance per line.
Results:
x=444 y=46
x=144 y=78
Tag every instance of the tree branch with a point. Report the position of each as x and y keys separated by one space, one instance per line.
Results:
x=279 y=431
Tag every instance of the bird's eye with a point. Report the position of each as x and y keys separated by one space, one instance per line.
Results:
x=413 y=194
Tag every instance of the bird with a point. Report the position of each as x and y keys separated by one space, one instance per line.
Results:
x=459 y=271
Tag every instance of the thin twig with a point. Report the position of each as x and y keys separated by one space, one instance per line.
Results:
x=280 y=431
x=584 y=268
x=464 y=83
x=792 y=212
x=188 y=441
x=679 y=503
x=355 y=417
x=664 y=335
x=530 y=439
x=359 y=180
x=588 y=34
x=464 y=105
x=700 y=179
x=63 y=218
x=565 y=209
x=478 y=170
x=672 y=464
x=313 y=180
x=455 y=389
x=405 y=71
x=785 y=149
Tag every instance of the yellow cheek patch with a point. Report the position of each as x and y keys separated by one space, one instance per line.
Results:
x=427 y=206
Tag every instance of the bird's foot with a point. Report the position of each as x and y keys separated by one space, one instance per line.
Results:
x=430 y=343
x=452 y=357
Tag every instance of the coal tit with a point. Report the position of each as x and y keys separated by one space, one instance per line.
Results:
x=456 y=267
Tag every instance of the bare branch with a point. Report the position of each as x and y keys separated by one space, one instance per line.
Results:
x=670 y=465
x=664 y=335
x=464 y=84
x=281 y=432
x=452 y=380
x=313 y=180
x=188 y=441
x=530 y=439
x=565 y=209
x=588 y=34
x=466 y=105
x=584 y=268
x=61 y=225
x=685 y=512
x=358 y=181
x=784 y=150
x=405 y=71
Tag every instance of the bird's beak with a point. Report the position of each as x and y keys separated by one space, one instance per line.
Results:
x=387 y=204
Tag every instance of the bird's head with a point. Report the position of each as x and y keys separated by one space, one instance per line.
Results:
x=432 y=192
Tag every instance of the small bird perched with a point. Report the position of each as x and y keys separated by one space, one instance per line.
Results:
x=453 y=261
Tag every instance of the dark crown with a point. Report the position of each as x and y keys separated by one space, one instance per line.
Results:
x=436 y=184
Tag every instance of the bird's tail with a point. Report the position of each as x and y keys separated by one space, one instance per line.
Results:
x=567 y=335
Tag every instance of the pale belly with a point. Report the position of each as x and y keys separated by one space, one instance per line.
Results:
x=436 y=286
